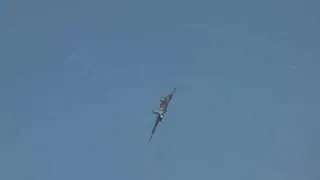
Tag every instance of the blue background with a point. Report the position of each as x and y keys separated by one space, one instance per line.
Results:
x=79 y=79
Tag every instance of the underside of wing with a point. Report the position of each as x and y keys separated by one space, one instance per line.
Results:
x=155 y=126
x=171 y=94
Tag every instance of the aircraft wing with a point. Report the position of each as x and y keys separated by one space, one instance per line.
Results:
x=154 y=127
x=171 y=95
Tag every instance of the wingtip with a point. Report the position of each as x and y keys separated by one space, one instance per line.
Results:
x=150 y=140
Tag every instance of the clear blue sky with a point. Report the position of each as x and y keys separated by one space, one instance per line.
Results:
x=79 y=79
